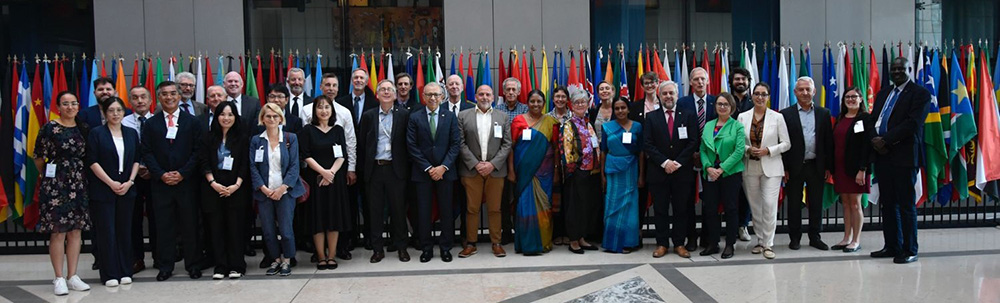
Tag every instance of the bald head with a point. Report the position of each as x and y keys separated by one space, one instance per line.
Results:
x=233 y=84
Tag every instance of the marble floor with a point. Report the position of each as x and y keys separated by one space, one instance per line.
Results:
x=956 y=265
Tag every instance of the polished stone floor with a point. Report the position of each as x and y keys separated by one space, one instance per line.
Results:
x=956 y=265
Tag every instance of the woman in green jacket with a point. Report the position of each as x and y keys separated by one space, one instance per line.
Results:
x=722 y=146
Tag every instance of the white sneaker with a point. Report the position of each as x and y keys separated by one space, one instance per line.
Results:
x=60 y=286
x=76 y=284
x=235 y=275
x=111 y=283
x=744 y=234
x=126 y=280
x=218 y=276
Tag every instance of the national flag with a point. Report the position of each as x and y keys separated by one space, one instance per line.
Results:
x=660 y=67
x=373 y=73
x=573 y=81
x=834 y=89
x=354 y=62
x=724 y=75
x=260 y=80
x=420 y=76
x=208 y=75
x=21 y=159
x=874 y=84
x=470 y=78
x=91 y=98
x=545 y=82
x=381 y=68
x=36 y=119
x=221 y=76
x=963 y=127
x=784 y=97
x=148 y=83
x=251 y=83
x=135 y=73
x=172 y=74
x=390 y=73
x=639 y=91
x=199 y=91
x=364 y=63
x=120 y=83
x=488 y=76
x=598 y=76
x=270 y=72
x=46 y=91
x=479 y=69
x=502 y=70
x=684 y=75
x=317 y=78
x=622 y=82
x=310 y=85
x=792 y=75
x=454 y=69
x=988 y=153
x=58 y=86
x=936 y=152
x=438 y=74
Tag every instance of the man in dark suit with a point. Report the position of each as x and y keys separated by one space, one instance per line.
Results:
x=358 y=101
x=382 y=140
x=456 y=103
x=893 y=127
x=214 y=96
x=248 y=106
x=404 y=87
x=103 y=88
x=186 y=82
x=433 y=141
x=139 y=97
x=670 y=138
x=739 y=85
x=278 y=94
x=808 y=162
x=170 y=142
x=702 y=105
x=299 y=98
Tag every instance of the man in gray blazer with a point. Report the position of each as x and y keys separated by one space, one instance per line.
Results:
x=186 y=82
x=482 y=166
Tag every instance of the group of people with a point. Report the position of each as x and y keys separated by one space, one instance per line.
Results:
x=345 y=170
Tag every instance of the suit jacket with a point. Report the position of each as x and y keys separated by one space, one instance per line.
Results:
x=199 y=108
x=426 y=152
x=464 y=105
x=861 y=155
x=306 y=100
x=250 y=108
x=727 y=147
x=368 y=142
x=636 y=111
x=209 y=160
x=92 y=116
x=101 y=150
x=289 y=149
x=659 y=146
x=162 y=155
x=411 y=102
x=901 y=137
x=687 y=104
x=348 y=102
x=497 y=149
x=774 y=138
x=792 y=159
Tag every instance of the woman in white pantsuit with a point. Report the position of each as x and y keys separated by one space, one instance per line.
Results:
x=766 y=138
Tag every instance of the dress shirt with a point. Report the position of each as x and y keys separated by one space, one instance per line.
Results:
x=808 y=121
x=189 y=106
x=132 y=121
x=511 y=113
x=483 y=122
x=345 y=121
x=239 y=103
x=274 y=176
x=296 y=100
x=359 y=104
x=383 y=150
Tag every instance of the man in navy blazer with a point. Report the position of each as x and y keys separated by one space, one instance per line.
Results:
x=103 y=88
x=670 y=138
x=170 y=141
x=299 y=98
x=433 y=151
x=893 y=127
x=248 y=106
x=702 y=105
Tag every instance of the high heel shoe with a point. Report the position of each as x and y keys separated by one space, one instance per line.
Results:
x=848 y=249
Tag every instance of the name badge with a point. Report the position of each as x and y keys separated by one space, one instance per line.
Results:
x=50 y=170
x=627 y=138
x=526 y=135
x=259 y=156
x=338 y=152
x=227 y=163
x=682 y=132
x=859 y=127
x=593 y=142
x=497 y=131
x=171 y=133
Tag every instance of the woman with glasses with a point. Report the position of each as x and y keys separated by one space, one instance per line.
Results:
x=765 y=138
x=580 y=158
x=276 y=183
x=851 y=159
x=722 y=148
x=62 y=195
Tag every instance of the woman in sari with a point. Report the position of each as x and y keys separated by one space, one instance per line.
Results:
x=532 y=168
x=621 y=153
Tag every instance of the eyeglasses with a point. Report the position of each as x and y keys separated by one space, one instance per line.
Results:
x=275 y=96
x=433 y=95
x=722 y=104
x=385 y=89
x=272 y=117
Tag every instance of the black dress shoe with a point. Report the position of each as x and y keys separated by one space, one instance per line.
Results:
x=728 y=252
x=578 y=251
x=250 y=252
x=883 y=253
x=850 y=250
x=446 y=256
x=838 y=247
x=266 y=262
x=691 y=246
x=138 y=266
x=195 y=274
x=163 y=275
x=314 y=258
x=794 y=245
x=377 y=256
x=589 y=247
x=94 y=266
x=904 y=260
x=818 y=244
x=426 y=256
x=709 y=251
x=344 y=255
x=293 y=262
x=404 y=256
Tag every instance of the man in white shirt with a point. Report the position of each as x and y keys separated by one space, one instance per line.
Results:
x=139 y=99
x=248 y=106
x=186 y=84
x=298 y=100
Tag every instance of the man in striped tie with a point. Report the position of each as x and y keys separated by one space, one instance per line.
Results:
x=703 y=105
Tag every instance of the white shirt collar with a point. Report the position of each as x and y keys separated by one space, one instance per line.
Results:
x=263 y=134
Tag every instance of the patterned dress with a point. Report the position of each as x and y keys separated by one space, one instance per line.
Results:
x=62 y=200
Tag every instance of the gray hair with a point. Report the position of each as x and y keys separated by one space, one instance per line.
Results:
x=812 y=85
x=392 y=86
x=577 y=93
x=186 y=75
x=664 y=84
x=512 y=79
x=699 y=69
x=439 y=86
x=296 y=70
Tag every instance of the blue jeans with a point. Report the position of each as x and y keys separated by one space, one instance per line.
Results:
x=278 y=212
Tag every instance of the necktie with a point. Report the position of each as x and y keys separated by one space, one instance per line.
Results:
x=186 y=107
x=295 y=106
x=884 y=118
x=701 y=113
x=142 y=122
x=670 y=122
x=433 y=121
x=357 y=109
x=454 y=108
x=170 y=120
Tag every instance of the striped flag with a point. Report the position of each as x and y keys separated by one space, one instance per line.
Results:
x=21 y=159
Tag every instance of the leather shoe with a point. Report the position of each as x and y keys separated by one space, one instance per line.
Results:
x=794 y=245
x=426 y=256
x=589 y=247
x=292 y=262
x=682 y=251
x=250 y=252
x=314 y=258
x=904 y=260
x=377 y=256
x=499 y=252
x=266 y=262
x=709 y=251
x=728 y=252
x=344 y=255
x=404 y=256
x=883 y=253
x=445 y=256
x=194 y=274
x=691 y=246
x=163 y=275
x=94 y=266
x=660 y=251
x=818 y=244
x=468 y=251
x=138 y=266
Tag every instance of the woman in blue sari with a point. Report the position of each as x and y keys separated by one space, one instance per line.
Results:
x=621 y=153
x=531 y=167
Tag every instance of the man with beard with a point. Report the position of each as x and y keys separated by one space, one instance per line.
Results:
x=740 y=84
x=404 y=85
x=298 y=100
x=186 y=83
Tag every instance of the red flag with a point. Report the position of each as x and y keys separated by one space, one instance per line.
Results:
x=38 y=110
x=243 y=74
x=54 y=103
x=658 y=67
x=988 y=157
x=515 y=72
x=503 y=72
x=135 y=73
x=420 y=78
x=874 y=83
x=364 y=64
x=848 y=71
x=208 y=73
x=150 y=86
x=270 y=75
x=573 y=77
x=716 y=84
x=525 y=80
x=381 y=67
x=281 y=71
x=291 y=60
x=260 y=83
x=582 y=77
x=461 y=66
x=647 y=60
x=104 y=73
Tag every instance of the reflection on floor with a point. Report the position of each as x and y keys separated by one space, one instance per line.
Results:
x=956 y=265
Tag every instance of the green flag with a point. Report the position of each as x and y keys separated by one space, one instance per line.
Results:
x=251 y=82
